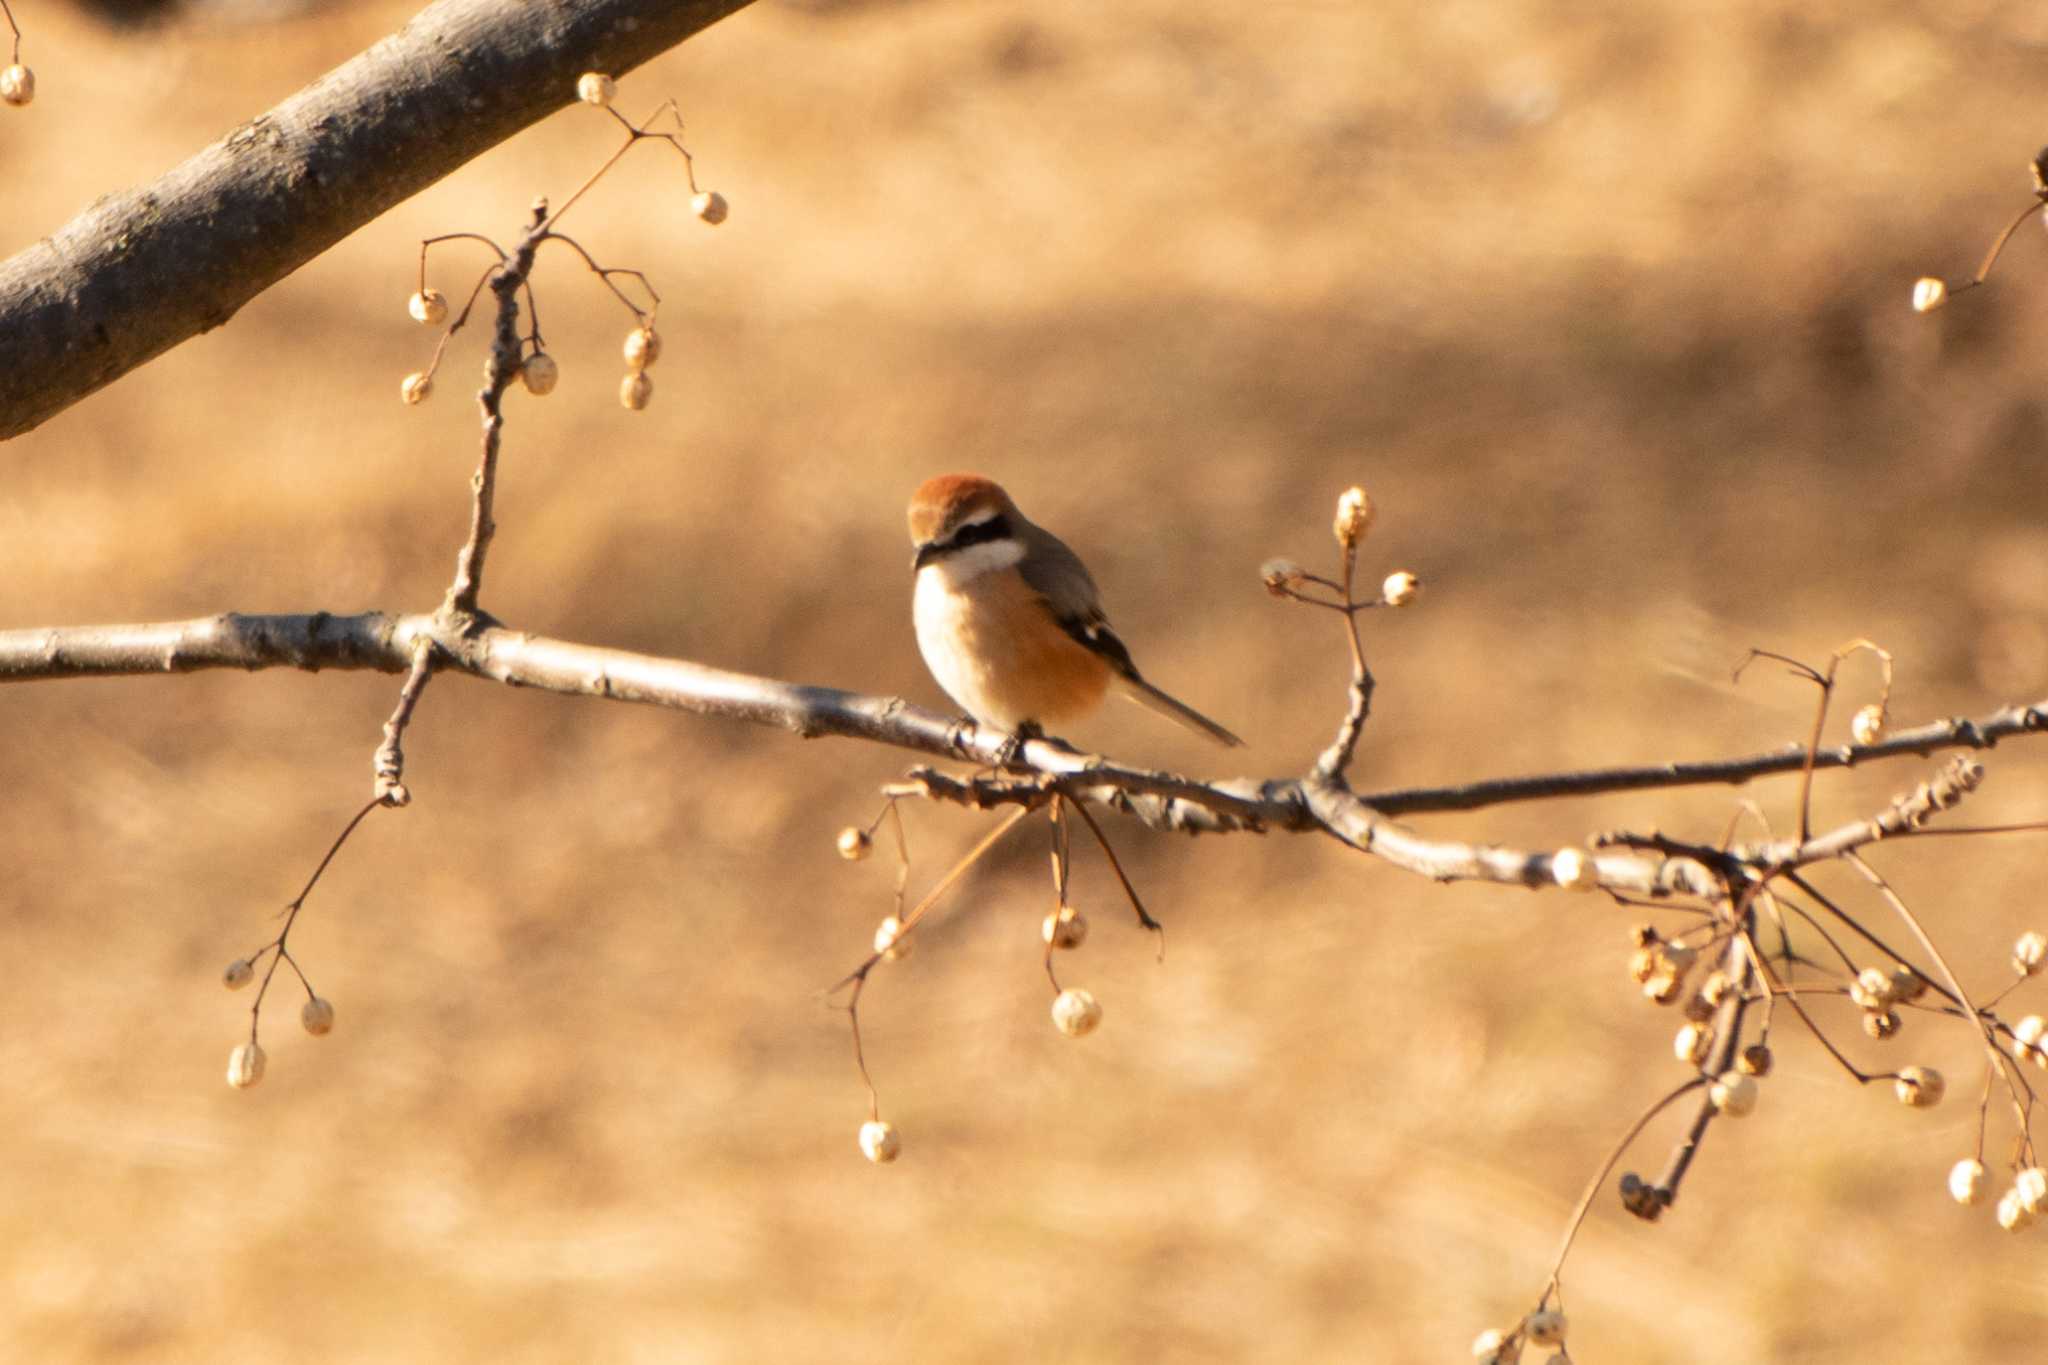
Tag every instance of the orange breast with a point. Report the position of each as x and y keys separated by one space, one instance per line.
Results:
x=994 y=648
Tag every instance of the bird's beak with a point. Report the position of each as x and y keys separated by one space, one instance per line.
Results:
x=926 y=553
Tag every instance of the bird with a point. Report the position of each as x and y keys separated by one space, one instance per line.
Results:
x=1009 y=620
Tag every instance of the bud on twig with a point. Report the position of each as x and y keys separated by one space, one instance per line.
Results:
x=1354 y=517
x=2026 y=1037
x=1280 y=576
x=1075 y=1012
x=1872 y=989
x=1544 y=1327
x=642 y=348
x=1734 y=1094
x=540 y=373
x=245 y=1065
x=1065 y=927
x=1907 y=985
x=318 y=1017
x=889 y=940
x=1920 y=1087
x=2029 y=951
x=1574 y=870
x=429 y=307
x=2013 y=1213
x=880 y=1142
x=17 y=85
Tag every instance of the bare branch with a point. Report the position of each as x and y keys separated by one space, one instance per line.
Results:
x=1736 y=962
x=1926 y=740
x=375 y=640
x=1037 y=770
x=387 y=765
x=1335 y=760
x=499 y=373
x=1908 y=814
x=141 y=271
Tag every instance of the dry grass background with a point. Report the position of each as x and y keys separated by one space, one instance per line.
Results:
x=1610 y=314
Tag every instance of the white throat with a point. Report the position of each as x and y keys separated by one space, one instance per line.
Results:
x=957 y=570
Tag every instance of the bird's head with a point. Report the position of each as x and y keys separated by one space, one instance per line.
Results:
x=955 y=512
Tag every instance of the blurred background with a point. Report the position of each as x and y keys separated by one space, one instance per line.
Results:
x=1609 y=311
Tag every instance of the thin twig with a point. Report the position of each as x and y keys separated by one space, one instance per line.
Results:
x=931 y=898
x=388 y=764
x=1924 y=741
x=1995 y=1058
x=1145 y=920
x=1997 y=246
x=1739 y=962
x=1869 y=936
x=855 y=981
x=604 y=274
x=499 y=373
x=1593 y=1186
x=1062 y=864
x=277 y=946
x=1333 y=761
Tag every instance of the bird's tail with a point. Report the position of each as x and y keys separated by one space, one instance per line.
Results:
x=1150 y=697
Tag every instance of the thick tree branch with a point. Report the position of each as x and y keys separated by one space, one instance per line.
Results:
x=385 y=642
x=1318 y=802
x=142 y=270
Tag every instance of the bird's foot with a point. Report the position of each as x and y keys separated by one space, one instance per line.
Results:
x=1015 y=742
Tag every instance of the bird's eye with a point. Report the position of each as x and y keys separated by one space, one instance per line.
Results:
x=981 y=532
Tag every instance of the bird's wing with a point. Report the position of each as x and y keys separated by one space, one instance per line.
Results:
x=1059 y=577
